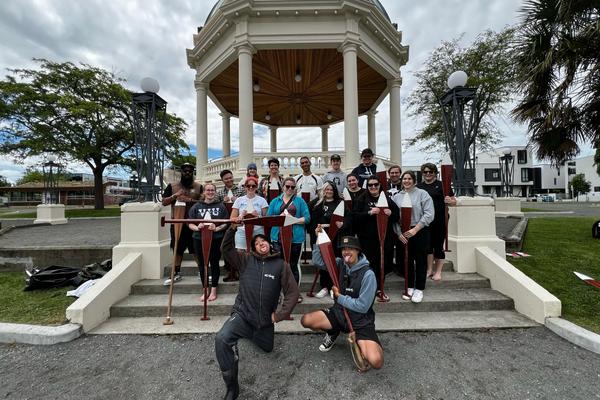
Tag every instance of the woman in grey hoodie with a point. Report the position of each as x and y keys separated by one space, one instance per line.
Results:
x=417 y=236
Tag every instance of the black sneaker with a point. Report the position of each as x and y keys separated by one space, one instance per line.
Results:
x=328 y=342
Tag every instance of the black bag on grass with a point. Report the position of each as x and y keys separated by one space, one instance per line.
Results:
x=596 y=230
x=50 y=277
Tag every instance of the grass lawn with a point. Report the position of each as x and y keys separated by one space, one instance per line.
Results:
x=38 y=307
x=559 y=246
x=75 y=213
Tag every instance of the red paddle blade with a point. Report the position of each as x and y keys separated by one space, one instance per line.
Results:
x=249 y=230
x=337 y=216
x=447 y=172
x=286 y=242
x=207 y=236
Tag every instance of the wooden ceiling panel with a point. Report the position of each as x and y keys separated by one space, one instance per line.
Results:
x=285 y=100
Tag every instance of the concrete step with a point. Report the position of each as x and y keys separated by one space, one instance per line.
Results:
x=435 y=300
x=385 y=322
x=189 y=268
x=191 y=284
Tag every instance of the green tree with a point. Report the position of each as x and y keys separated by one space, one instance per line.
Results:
x=79 y=113
x=4 y=182
x=487 y=62
x=31 y=175
x=580 y=185
x=558 y=61
x=180 y=159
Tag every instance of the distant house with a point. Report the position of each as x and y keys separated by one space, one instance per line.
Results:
x=70 y=193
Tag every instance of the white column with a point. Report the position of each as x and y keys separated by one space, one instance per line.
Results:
x=273 y=139
x=395 y=133
x=201 y=127
x=324 y=138
x=246 y=113
x=226 y=118
x=350 y=104
x=371 y=134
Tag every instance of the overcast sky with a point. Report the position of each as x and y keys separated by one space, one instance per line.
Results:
x=136 y=38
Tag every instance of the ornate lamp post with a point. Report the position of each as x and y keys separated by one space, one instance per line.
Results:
x=51 y=172
x=507 y=167
x=149 y=122
x=133 y=184
x=458 y=109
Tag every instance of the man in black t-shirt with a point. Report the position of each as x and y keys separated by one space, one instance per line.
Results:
x=365 y=169
x=437 y=228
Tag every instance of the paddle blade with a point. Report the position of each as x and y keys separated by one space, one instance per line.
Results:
x=337 y=216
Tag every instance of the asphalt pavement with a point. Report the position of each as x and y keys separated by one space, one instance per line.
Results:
x=500 y=364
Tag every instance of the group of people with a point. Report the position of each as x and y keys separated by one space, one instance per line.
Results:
x=313 y=201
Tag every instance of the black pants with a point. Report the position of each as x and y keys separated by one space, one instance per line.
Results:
x=296 y=249
x=370 y=247
x=213 y=260
x=398 y=253
x=236 y=328
x=417 y=259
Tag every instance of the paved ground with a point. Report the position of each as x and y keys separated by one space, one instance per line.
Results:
x=78 y=232
x=501 y=364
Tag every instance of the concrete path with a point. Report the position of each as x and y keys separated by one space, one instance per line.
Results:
x=500 y=364
x=78 y=232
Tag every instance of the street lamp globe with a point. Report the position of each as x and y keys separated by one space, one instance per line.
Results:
x=457 y=78
x=150 y=85
x=51 y=158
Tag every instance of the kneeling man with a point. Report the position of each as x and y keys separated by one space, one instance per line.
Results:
x=356 y=294
x=263 y=276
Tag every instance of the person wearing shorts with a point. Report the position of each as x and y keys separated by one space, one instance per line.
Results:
x=356 y=294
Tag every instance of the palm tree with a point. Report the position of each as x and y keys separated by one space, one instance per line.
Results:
x=558 y=57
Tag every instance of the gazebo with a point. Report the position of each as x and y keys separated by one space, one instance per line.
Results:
x=286 y=63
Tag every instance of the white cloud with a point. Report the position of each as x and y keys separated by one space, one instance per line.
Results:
x=138 y=38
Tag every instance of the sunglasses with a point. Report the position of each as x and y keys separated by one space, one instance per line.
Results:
x=428 y=172
x=251 y=186
x=373 y=184
x=290 y=187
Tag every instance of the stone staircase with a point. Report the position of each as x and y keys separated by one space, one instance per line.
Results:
x=459 y=301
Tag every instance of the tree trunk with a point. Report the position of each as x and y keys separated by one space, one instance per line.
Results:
x=98 y=189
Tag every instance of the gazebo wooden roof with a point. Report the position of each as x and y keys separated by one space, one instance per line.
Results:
x=314 y=100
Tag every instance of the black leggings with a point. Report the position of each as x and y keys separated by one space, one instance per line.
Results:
x=213 y=260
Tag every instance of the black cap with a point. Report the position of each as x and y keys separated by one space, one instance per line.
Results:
x=336 y=157
x=187 y=165
x=351 y=242
x=366 y=152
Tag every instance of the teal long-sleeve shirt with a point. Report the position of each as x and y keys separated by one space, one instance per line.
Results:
x=298 y=230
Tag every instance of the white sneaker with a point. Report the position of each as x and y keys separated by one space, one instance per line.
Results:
x=176 y=278
x=417 y=296
x=409 y=294
x=322 y=293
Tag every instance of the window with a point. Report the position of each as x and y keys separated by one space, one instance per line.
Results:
x=596 y=188
x=522 y=156
x=571 y=163
x=572 y=171
x=554 y=181
x=492 y=174
x=525 y=175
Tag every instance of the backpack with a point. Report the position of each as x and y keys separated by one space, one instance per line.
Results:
x=596 y=230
